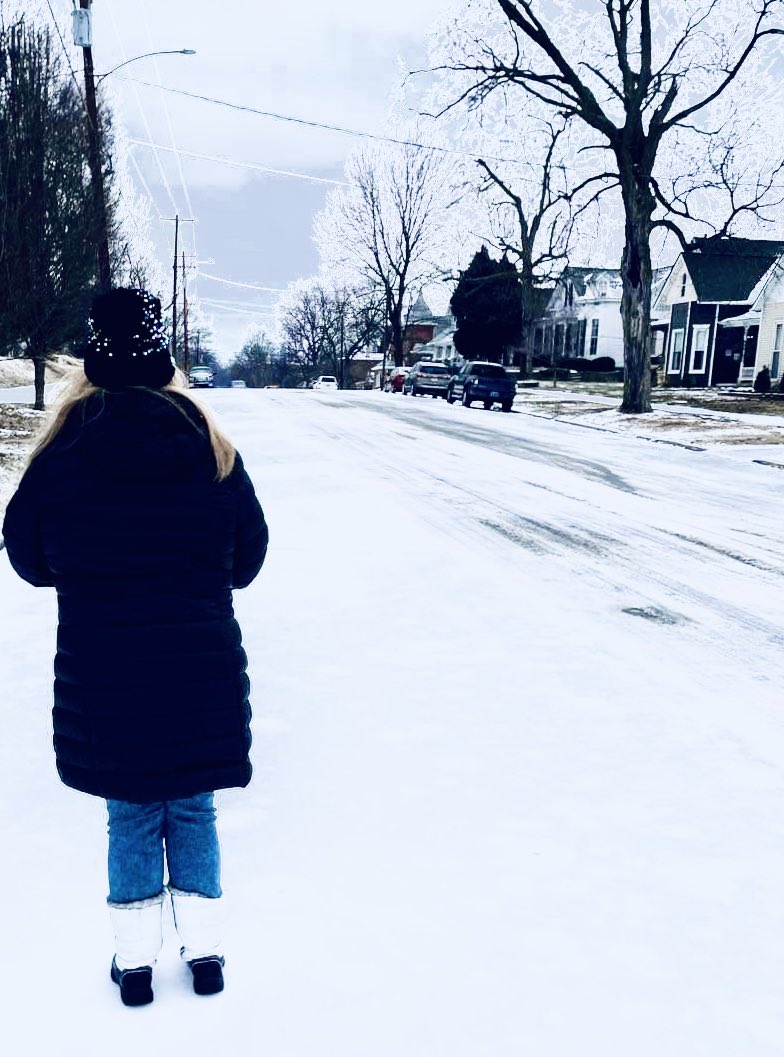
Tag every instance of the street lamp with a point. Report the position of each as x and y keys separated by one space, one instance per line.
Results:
x=146 y=55
x=83 y=38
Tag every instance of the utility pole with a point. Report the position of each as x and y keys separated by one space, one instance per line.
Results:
x=174 y=292
x=186 y=355
x=82 y=24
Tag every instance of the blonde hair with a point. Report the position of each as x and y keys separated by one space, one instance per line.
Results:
x=79 y=387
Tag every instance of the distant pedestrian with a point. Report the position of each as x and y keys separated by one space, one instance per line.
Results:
x=138 y=510
x=762 y=381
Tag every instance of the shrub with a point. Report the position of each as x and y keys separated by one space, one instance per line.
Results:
x=603 y=364
x=575 y=363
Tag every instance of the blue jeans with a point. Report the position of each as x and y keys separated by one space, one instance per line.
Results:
x=137 y=836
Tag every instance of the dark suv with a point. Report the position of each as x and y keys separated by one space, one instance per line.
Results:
x=487 y=382
x=425 y=377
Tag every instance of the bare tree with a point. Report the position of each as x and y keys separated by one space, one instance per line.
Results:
x=638 y=75
x=326 y=326
x=543 y=218
x=354 y=319
x=255 y=364
x=304 y=328
x=384 y=226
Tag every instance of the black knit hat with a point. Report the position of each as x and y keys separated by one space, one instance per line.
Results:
x=126 y=345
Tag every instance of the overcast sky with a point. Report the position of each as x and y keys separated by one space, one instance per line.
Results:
x=335 y=62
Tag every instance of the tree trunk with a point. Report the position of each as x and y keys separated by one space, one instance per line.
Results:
x=396 y=328
x=526 y=324
x=39 y=369
x=636 y=277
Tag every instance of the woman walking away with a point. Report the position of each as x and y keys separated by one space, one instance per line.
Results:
x=137 y=509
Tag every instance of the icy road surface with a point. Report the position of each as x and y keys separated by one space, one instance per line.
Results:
x=519 y=750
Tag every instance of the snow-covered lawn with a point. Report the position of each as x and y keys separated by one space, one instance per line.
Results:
x=671 y=420
x=519 y=752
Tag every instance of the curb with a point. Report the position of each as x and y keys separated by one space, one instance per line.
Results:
x=616 y=432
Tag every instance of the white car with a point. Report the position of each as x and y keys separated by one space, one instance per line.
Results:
x=238 y=383
x=326 y=381
x=201 y=377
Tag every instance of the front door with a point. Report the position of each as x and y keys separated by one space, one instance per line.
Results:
x=728 y=355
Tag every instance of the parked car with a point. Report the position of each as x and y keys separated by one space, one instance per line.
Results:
x=238 y=383
x=395 y=380
x=201 y=378
x=487 y=382
x=427 y=378
x=326 y=381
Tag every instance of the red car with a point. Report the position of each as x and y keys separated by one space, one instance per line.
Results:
x=395 y=380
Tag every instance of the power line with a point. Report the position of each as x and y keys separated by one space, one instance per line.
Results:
x=245 y=286
x=224 y=307
x=145 y=122
x=66 y=53
x=315 y=124
x=145 y=185
x=183 y=182
x=238 y=164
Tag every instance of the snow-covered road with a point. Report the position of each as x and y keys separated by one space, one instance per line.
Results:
x=519 y=749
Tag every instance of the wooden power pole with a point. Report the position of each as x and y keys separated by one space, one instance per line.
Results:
x=186 y=354
x=174 y=291
x=84 y=40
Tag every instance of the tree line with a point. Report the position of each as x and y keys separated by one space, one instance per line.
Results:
x=48 y=223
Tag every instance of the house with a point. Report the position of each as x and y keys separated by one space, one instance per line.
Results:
x=767 y=316
x=707 y=298
x=441 y=348
x=422 y=326
x=582 y=316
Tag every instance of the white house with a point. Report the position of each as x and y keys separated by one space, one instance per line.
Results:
x=767 y=315
x=441 y=348
x=583 y=316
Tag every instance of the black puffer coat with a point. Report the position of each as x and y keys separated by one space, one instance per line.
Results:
x=123 y=516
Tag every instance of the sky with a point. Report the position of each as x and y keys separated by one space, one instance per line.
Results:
x=335 y=63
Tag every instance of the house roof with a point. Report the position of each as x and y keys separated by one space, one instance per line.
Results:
x=420 y=311
x=582 y=277
x=540 y=299
x=729 y=269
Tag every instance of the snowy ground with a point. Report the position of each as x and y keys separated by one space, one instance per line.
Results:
x=519 y=754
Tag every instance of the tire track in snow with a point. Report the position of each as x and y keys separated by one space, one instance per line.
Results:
x=609 y=560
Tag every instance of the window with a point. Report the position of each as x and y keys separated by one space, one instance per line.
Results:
x=699 y=349
x=594 y=337
x=683 y=284
x=676 y=350
x=558 y=341
x=775 y=363
x=488 y=370
x=581 y=337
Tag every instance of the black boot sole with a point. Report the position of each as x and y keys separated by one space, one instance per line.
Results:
x=135 y=985
x=207 y=975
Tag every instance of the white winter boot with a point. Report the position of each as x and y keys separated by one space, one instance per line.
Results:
x=138 y=938
x=199 y=923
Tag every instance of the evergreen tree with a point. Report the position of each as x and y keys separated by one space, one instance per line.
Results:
x=47 y=258
x=487 y=306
